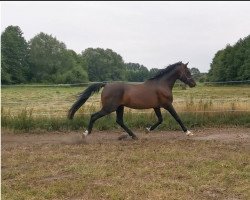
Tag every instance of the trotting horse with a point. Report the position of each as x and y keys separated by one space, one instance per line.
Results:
x=155 y=93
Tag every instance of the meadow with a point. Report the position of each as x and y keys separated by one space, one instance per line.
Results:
x=32 y=107
x=44 y=157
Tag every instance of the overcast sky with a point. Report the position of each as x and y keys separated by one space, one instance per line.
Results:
x=154 y=34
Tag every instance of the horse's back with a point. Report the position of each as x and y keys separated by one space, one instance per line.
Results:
x=113 y=89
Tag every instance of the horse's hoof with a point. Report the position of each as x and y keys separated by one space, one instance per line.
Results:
x=122 y=137
x=189 y=133
x=135 y=138
x=147 y=129
x=85 y=133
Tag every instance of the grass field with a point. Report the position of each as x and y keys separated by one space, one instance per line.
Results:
x=213 y=164
x=46 y=108
x=55 y=101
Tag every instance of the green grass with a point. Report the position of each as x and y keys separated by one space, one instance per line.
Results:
x=25 y=121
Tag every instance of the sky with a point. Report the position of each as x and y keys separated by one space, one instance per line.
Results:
x=154 y=34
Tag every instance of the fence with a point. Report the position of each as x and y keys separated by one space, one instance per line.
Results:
x=89 y=83
x=227 y=82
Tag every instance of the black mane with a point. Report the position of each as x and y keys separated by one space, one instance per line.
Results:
x=162 y=72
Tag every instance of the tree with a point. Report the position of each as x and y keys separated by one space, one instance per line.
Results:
x=232 y=63
x=103 y=65
x=73 y=69
x=195 y=73
x=216 y=72
x=14 y=56
x=46 y=55
x=52 y=62
x=153 y=71
x=135 y=72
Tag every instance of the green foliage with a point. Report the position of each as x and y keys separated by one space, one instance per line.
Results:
x=104 y=65
x=44 y=59
x=195 y=73
x=75 y=75
x=136 y=72
x=52 y=62
x=14 y=56
x=73 y=70
x=232 y=63
x=45 y=56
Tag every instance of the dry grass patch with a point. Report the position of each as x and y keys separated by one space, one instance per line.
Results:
x=55 y=101
x=151 y=168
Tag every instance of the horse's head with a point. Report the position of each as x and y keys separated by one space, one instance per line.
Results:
x=185 y=76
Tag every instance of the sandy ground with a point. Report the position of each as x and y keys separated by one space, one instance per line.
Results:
x=9 y=139
x=53 y=161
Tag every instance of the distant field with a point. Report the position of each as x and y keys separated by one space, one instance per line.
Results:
x=46 y=108
x=55 y=101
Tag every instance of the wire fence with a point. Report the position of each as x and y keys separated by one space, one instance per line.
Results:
x=225 y=82
x=89 y=83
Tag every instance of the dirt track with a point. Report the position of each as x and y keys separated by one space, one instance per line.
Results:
x=212 y=164
x=218 y=134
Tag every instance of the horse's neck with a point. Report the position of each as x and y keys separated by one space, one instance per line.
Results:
x=169 y=80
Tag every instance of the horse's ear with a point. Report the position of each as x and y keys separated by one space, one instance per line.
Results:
x=186 y=64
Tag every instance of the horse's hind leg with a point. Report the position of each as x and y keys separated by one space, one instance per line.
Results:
x=159 y=116
x=119 y=120
x=93 y=118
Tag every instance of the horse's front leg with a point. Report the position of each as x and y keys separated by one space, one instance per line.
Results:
x=172 y=111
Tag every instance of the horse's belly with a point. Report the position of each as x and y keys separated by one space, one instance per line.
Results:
x=139 y=106
x=140 y=101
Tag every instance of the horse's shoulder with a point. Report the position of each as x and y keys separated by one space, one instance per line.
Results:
x=164 y=91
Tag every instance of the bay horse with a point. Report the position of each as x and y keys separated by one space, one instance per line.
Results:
x=156 y=93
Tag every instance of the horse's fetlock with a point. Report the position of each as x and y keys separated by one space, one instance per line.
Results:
x=119 y=122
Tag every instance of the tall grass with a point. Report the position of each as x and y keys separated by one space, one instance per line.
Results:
x=26 y=121
x=29 y=108
x=55 y=101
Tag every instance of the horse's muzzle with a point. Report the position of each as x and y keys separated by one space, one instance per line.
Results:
x=192 y=84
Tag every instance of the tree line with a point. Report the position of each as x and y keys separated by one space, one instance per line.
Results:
x=45 y=59
x=232 y=63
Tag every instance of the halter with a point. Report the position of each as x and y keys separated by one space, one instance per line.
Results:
x=183 y=74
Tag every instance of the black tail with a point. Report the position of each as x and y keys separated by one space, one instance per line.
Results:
x=84 y=97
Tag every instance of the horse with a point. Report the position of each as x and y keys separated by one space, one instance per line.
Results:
x=155 y=92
